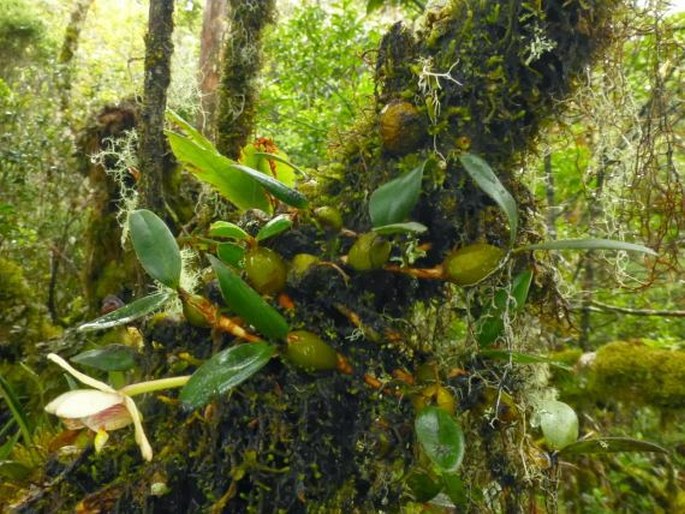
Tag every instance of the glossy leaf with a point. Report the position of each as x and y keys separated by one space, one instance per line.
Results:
x=227 y=229
x=392 y=202
x=274 y=186
x=230 y=253
x=275 y=226
x=588 y=244
x=491 y=323
x=410 y=227
x=441 y=438
x=248 y=304
x=482 y=174
x=224 y=371
x=155 y=247
x=128 y=313
x=522 y=358
x=610 y=445
x=282 y=158
x=115 y=357
x=213 y=168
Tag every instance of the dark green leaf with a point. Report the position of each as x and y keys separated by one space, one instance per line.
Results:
x=410 y=227
x=17 y=411
x=227 y=229
x=393 y=201
x=373 y=5
x=230 y=253
x=491 y=323
x=155 y=247
x=10 y=442
x=274 y=186
x=423 y=487
x=455 y=489
x=248 y=304
x=588 y=244
x=115 y=357
x=610 y=445
x=522 y=358
x=279 y=224
x=224 y=371
x=128 y=313
x=482 y=174
x=440 y=437
x=219 y=171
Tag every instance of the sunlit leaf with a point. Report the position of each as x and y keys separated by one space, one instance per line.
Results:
x=410 y=227
x=213 y=168
x=441 y=438
x=491 y=323
x=227 y=229
x=155 y=247
x=275 y=187
x=224 y=371
x=230 y=253
x=248 y=304
x=275 y=226
x=482 y=174
x=610 y=445
x=588 y=244
x=128 y=313
x=393 y=201
x=191 y=132
x=114 y=357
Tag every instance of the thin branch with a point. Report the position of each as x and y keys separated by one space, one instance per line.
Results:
x=596 y=306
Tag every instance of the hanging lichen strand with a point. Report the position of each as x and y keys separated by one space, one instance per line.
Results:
x=480 y=76
x=242 y=61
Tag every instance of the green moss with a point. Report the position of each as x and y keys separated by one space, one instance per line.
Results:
x=635 y=373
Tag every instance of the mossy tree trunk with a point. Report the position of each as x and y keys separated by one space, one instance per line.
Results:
x=69 y=47
x=482 y=76
x=154 y=151
x=241 y=64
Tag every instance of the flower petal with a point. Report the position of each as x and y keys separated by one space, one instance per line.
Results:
x=141 y=438
x=100 y=440
x=81 y=403
x=81 y=377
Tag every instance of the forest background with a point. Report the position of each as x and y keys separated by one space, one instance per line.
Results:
x=606 y=165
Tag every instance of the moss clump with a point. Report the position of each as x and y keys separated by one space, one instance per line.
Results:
x=635 y=373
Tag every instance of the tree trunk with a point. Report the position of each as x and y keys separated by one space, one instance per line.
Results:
x=153 y=151
x=482 y=76
x=241 y=63
x=69 y=47
x=214 y=22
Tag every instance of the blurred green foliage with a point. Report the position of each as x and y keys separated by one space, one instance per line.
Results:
x=317 y=77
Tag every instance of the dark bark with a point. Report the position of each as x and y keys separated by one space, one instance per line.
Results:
x=242 y=61
x=153 y=149
x=214 y=24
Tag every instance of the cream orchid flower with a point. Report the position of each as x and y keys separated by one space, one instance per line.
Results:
x=103 y=408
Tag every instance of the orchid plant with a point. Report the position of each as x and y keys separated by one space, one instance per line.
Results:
x=103 y=408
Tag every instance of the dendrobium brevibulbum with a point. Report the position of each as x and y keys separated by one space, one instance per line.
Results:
x=104 y=408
